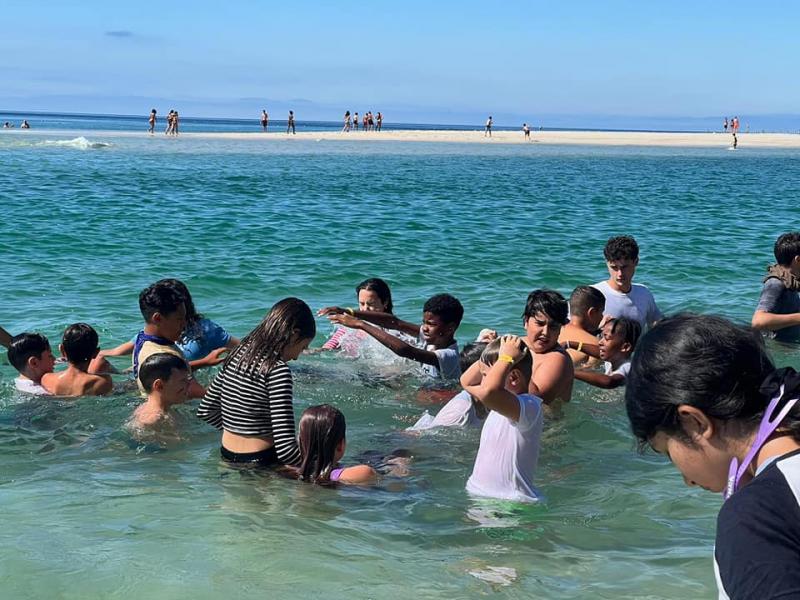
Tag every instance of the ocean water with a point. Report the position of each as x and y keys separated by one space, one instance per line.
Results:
x=91 y=512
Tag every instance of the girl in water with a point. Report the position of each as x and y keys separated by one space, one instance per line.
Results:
x=250 y=399
x=322 y=444
x=703 y=392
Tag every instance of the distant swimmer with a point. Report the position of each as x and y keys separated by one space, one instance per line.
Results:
x=25 y=125
x=488 y=130
x=7 y=125
x=290 y=122
x=527 y=131
x=264 y=120
x=152 y=121
x=735 y=141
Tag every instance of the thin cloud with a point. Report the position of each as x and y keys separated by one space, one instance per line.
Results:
x=120 y=33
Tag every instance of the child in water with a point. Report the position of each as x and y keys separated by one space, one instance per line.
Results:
x=30 y=354
x=322 y=443
x=165 y=378
x=617 y=343
x=704 y=393
x=83 y=376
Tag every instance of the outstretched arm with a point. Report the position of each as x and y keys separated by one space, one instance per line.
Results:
x=592 y=350
x=123 y=349
x=774 y=321
x=381 y=319
x=394 y=344
x=600 y=380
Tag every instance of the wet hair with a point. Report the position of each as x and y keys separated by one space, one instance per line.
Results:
x=787 y=247
x=702 y=361
x=446 y=307
x=192 y=316
x=25 y=346
x=629 y=329
x=160 y=366
x=80 y=343
x=585 y=297
x=549 y=302
x=262 y=347
x=380 y=287
x=622 y=247
x=470 y=354
x=320 y=431
x=524 y=364
x=160 y=298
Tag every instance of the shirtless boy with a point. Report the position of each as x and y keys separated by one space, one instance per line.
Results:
x=579 y=335
x=166 y=379
x=80 y=346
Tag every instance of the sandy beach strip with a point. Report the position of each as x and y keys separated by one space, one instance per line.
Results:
x=587 y=138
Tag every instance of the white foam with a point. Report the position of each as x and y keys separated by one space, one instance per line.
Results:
x=80 y=143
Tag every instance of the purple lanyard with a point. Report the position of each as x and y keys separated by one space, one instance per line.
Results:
x=765 y=429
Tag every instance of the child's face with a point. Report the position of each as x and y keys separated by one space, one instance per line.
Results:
x=295 y=348
x=594 y=316
x=176 y=389
x=542 y=333
x=171 y=326
x=612 y=345
x=37 y=367
x=702 y=465
x=621 y=272
x=369 y=301
x=435 y=331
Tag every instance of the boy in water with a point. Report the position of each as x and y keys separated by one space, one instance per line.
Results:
x=778 y=310
x=166 y=379
x=623 y=297
x=509 y=450
x=30 y=354
x=616 y=347
x=579 y=335
x=80 y=346
x=438 y=353
x=164 y=313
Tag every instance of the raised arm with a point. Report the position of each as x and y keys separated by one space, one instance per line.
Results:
x=394 y=344
x=381 y=319
x=492 y=390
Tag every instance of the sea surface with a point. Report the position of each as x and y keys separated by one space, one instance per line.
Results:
x=91 y=511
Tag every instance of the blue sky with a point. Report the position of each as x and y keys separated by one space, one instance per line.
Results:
x=416 y=61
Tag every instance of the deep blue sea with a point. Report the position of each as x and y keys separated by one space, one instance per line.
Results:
x=91 y=512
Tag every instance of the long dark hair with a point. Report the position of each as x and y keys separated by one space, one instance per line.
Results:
x=320 y=431
x=380 y=287
x=288 y=320
x=702 y=361
x=192 y=316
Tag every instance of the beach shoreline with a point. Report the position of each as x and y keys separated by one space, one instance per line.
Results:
x=583 y=138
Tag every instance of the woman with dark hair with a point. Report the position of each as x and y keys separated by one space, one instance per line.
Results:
x=250 y=399
x=322 y=442
x=704 y=393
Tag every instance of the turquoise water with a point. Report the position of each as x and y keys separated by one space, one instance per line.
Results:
x=90 y=512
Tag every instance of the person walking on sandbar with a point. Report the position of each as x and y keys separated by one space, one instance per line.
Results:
x=290 y=123
x=488 y=130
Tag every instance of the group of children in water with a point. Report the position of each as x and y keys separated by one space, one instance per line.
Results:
x=700 y=390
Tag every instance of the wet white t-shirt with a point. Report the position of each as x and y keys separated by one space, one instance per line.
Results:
x=27 y=386
x=449 y=367
x=508 y=454
x=638 y=304
x=459 y=412
x=623 y=369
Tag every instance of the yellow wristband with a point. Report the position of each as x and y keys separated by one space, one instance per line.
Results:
x=580 y=346
x=506 y=358
x=351 y=311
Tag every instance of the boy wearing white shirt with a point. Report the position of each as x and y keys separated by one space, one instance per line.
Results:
x=509 y=450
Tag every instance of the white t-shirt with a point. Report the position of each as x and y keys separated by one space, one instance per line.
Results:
x=27 y=386
x=638 y=304
x=623 y=369
x=459 y=412
x=508 y=454
x=449 y=365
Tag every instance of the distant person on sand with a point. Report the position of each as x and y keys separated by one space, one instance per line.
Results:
x=371 y=121
x=175 y=123
x=365 y=122
x=152 y=121
x=264 y=120
x=347 y=122
x=355 y=121
x=170 y=122
x=488 y=130
x=290 y=123
x=25 y=125
x=725 y=125
x=379 y=121
x=527 y=131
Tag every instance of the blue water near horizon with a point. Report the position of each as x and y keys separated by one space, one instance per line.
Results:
x=91 y=512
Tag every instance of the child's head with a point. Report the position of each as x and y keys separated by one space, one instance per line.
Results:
x=284 y=333
x=167 y=375
x=80 y=344
x=787 y=249
x=619 y=339
x=164 y=307
x=520 y=374
x=322 y=441
x=622 y=257
x=470 y=354
x=545 y=313
x=441 y=316
x=587 y=303
x=374 y=295
x=693 y=393
x=192 y=316
x=30 y=354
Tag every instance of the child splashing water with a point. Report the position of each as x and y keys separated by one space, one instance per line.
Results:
x=322 y=443
x=704 y=393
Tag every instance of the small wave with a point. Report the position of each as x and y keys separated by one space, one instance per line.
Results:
x=79 y=142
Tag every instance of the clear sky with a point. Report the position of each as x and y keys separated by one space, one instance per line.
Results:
x=434 y=61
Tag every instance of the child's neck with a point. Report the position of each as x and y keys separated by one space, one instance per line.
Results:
x=576 y=322
x=619 y=360
x=613 y=285
x=75 y=368
x=153 y=329
x=444 y=343
x=155 y=401
x=32 y=377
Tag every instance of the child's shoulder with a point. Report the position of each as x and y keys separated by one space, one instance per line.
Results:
x=358 y=474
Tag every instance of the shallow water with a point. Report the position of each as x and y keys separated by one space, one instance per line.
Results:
x=90 y=512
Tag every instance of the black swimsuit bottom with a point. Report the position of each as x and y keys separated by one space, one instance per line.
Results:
x=263 y=458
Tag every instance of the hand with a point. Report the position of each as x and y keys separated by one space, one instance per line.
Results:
x=217 y=356
x=346 y=320
x=330 y=310
x=487 y=335
x=513 y=346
